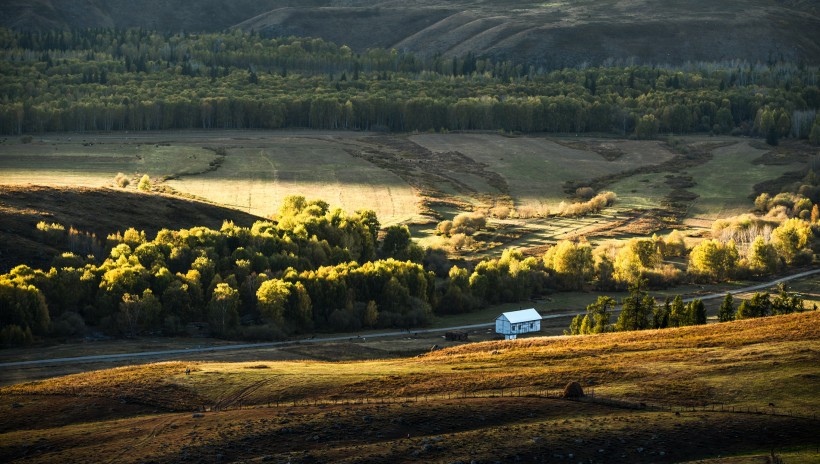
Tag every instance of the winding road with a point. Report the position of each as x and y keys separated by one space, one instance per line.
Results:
x=169 y=354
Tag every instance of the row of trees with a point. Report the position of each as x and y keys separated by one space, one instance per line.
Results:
x=139 y=80
x=310 y=268
x=639 y=311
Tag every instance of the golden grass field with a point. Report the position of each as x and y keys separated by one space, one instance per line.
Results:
x=338 y=411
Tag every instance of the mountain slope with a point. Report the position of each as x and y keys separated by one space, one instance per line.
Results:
x=552 y=34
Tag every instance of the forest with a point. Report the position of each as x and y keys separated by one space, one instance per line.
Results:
x=105 y=80
x=315 y=268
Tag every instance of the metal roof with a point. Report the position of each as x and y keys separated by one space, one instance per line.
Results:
x=525 y=315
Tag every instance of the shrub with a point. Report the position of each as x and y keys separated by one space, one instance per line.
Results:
x=594 y=205
x=69 y=324
x=145 y=183
x=585 y=193
x=500 y=212
x=13 y=335
x=121 y=180
x=52 y=233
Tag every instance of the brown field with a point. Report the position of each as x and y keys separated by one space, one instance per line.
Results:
x=363 y=411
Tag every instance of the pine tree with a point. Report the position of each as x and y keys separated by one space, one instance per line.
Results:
x=677 y=314
x=726 y=312
x=696 y=312
x=635 y=309
x=660 y=315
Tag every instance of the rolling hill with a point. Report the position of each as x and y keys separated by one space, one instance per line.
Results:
x=101 y=211
x=740 y=388
x=551 y=34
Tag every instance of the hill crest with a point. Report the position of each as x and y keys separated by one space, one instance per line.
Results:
x=552 y=34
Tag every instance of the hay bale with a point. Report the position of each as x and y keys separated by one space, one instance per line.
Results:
x=573 y=390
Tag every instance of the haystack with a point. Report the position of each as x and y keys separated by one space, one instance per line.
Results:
x=573 y=390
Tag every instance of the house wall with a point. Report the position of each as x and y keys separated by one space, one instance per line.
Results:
x=503 y=326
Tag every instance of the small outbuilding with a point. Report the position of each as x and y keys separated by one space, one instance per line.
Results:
x=512 y=323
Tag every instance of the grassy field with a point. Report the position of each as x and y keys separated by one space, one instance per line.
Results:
x=767 y=365
x=255 y=170
x=421 y=179
x=536 y=168
x=725 y=183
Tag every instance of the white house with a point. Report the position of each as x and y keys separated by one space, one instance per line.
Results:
x=512 y=323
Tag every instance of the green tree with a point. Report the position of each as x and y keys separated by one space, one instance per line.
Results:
x=223 y=314
x=696 y=312
x=786 y=302
x=762 y=257
x=635 y=309
x=727 y=310
x=792 y=238
x=371 y=314
x=714 y=259
x=758 y=306
x=647 y=127
x=636 y=258
x=597 y=318
x=677 y=313
x=660 y=315
x=572 y=263
x=396 y=243
x=272 y=297
x=137 y=312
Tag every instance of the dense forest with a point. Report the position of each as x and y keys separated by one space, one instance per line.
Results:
x=313 y=268
x=103 y=80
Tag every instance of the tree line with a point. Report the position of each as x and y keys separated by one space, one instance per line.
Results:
x=104 y=80
x=639 y=311
x=310 y=268
x=316 y=268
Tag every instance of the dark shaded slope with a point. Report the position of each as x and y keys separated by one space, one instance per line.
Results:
x=552 y=33
x=98 y=210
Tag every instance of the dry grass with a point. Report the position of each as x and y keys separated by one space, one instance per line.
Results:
x=749 y=363
x=696 y=362
x=249 y=171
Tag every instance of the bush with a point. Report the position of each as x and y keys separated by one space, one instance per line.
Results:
x=121 y=180
x=267 y=332
x=500 y=212
x=13 y=335
x=68 y=325
x=52 y=233
x=26 y=139
x=585 y=193
x=594 y=205
x=145 y=183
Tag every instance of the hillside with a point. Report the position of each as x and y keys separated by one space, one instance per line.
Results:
x=551 y=34
x=486 y=402
x=101 y=211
